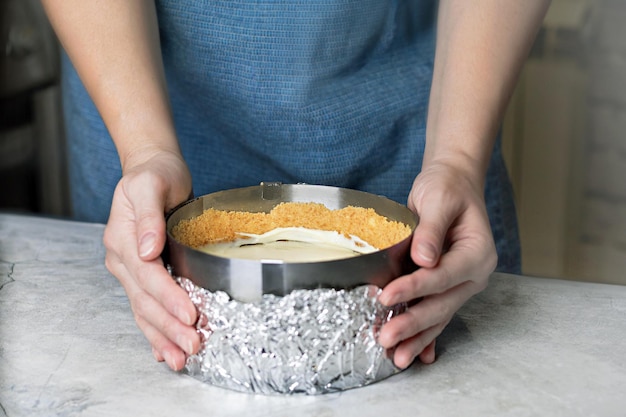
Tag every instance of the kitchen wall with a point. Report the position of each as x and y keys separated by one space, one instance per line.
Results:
x=565 y=142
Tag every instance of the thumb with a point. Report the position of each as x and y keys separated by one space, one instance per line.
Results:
x=149 y=213
x=427 y=245
x=435 y=219
x=151 y=239
x=150 y=231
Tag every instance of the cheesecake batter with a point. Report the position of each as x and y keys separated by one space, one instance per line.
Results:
x=291 y=244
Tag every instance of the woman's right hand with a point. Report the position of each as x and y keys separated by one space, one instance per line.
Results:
x=134 y=238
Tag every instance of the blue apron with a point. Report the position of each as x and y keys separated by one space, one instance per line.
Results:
x=330 y=92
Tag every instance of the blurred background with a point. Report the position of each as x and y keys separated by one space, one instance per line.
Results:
x=32 y=164
x=564 y=135
x=565 y=144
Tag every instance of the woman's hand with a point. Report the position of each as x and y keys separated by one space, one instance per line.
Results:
x=134 y=238
x=481 y=46
x=115 y=47
x=454 y=248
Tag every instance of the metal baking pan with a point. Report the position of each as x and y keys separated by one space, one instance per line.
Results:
x=248 y=280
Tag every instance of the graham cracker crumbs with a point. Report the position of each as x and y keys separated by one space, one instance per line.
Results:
x=214 y=226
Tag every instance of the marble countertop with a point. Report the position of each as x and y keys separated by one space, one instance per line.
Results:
x=69 y=347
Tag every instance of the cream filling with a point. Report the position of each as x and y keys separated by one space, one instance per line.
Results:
x=291 y=244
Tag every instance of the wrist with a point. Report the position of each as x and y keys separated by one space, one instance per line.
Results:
x=463 y=164
x=141 y=153
x=460 y=139
x=165 y=170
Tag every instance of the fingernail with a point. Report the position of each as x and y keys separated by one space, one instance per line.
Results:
x=426 y=252
x=386 y=300
x=183 y=316
x=168 y=359
x=172 y=363
x=185 y=344
x=146 y=245
x=156 y=355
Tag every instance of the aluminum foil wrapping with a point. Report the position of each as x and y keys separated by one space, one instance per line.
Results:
x=306 y=342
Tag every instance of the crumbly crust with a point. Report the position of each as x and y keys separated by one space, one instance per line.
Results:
x=214 y=226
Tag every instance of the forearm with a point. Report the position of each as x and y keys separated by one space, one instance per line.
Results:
x=481 y=47
x=114 y=45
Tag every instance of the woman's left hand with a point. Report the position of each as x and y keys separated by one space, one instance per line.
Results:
x=454 y=248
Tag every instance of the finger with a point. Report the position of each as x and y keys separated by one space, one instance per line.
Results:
x=461 y=263
x=147 y=201
x=157 y=355
x=435 y=217
x=422 y=345
x=154 y=311
x=427 y=313
x=154 y=279
x=148 y=310
x=150 y=276
x=428 y=354
x=157 y=323
x=156 y=339
x=162 y=348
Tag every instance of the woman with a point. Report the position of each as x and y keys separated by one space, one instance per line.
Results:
x=399 y=98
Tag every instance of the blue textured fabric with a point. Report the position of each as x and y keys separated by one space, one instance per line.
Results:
x=318 y=91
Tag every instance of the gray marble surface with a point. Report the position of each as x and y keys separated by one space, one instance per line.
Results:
x=69 y=347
